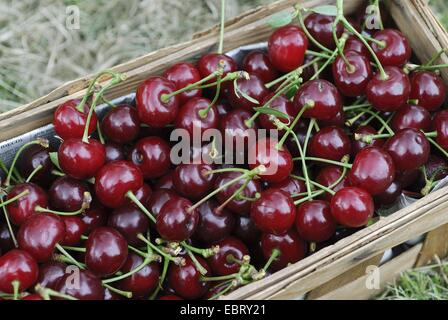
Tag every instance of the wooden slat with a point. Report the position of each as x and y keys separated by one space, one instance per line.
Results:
x=435 y=244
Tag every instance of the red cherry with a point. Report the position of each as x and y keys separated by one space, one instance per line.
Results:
x=327 y=176
x=143 y=194
x=441 y=126
x=69 y=123
x=314 y=221
x=90 y=287
x=330 y=143
x=75 y=227
x=321 y=28
x=408 y=178
x=290 y=186
x=390 y=196
x=25 y=206
x=286 y=48
x=396 y=50
x=223 y=262
x=67 y=194
x=152 y=156
x=253 y=87
x=358 y=145
x=282 y=104
x=17 y=265
x=130 y=222
x=158 y=200
x=354 y=44
x=436 y=167
x=338 y=120
x=94 y=217
x=257 y=62
x=246 y=230
x=170 y=297
x=183 y=74
x=222 y=107
x=210 y=62
x=411 y=117
x=189 y=117
x=114 y=152
x=213 y=225
x=32 y=157
x=352 y=207
x=192 y=180
x=186 y=280
x=32 y=297
x=165 y=182
x=121 y=124
x=429 y=89
x=6 y=241
x=50 y=273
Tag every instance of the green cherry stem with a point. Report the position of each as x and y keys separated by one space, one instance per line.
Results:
x=304 y=166
x=146 y=261
x=197 y=264
x=206 y=253
x=47 y=293
x=69 y=257
x=435 y=144
x=166 y=263
x=316 y=54
x=298 y=71
x=85 y=205
x=8 y=223
x=134 y=199
x=126 y=294
x=308 y=105
x=322 y=187
x=336 y=163
x=33 y=173
x=435 y=57
x=176 y=260
x=76 y=249
x=356 y=107
x=222 y=25
x=20 y=195
x=274 y=255
x=16 y=287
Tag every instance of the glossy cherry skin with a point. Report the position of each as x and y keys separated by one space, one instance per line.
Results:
x=409 y=149
x=69 y=123
x=121 y=124
x=67 y=194
x=25 y=206
x=40 y=234
x=143 y=282
x=352 y=207
x=327 y=176
x=170 y=297
x=358 y=145
x=151 y=109
x=253 y=87
x=81 y=160
x=32 y=157
x=290 y=186
x=6 y=241
x=94 y=217
x=129 y=221
x=75 y=227
x=90 y=287
x=32 y=297
x=186 y=280
x=114 y=152
x=441 y=126
x=321 y=28
x=292 y=248
x=190 y=120
x=314 y=221
x=159 y=198
x=209 y=63
x=330 y=143
x=352 y=83
x=429 y=89
x=221 y=263
x=391 y=94
x=354 y=44
x=175 y=222
x=258 y=63
x=396 y=51
x=183 y=74
x=410 y=116
x=192 y=180
x=436 y=167
x=213 y=225
x=327 y=99
x=373 y=170
x=106 y=251
x=287 y=47
x=389 y=196
x=114 y=180
x=165 y=182
x=17 y=265
x=222 y=107
x=143 y=194
x=282 y=104
x=246 y=230
x=152 y=156
x=50 y=273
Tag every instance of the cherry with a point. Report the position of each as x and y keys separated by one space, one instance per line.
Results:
x=409 y=149
x=352 y=80
x=183 y=74
x=322 y=95
x=246 y=230
x=190 y=116
x=69 y=123
x=129 y=221
x=25 y=206
x=170 y=297
x=354 y=44
x=441 y=126
x=352 y=207
x=373 y=170
x=213 y=225
x=291 y=247
x=6 y=241
x=106 y=251
x=89 y=288
x=143 y=194
x=111 y=296
x=258 y=63
x=290 y=186
x=330 y=143
x=186 y=280
x=338 y=120
x=327 y=176
x=407 y=178
x=67 y=194
x=282 y=104
x=436 y=168
x=253 y=87
x=114 y=152
x=314 y=221
x=115 y=180
x=225 y=261
x=390 y=94
x=193 y=180
x=286 y=48
x=428 y=89
x=50 y=273
x=17 y=265
x=40 y=234
x=31 y=158
x=152 y=109
x=321 y=28
x=165 y=182
x=210 y=62
x=358 y=145
x=175 y=221
x=410 y=116
x=94 y=217
x=390 y=196
x=75 y=227
x=222 y=107
x=152 y=156
x=32 y=297
x=81 y=160
x=396 y=50
x=121 y=124
x=158 y=200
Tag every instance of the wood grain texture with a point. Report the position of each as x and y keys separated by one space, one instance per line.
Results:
x=435 y=244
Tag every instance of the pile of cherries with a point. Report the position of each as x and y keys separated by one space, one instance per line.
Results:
x=109 y=216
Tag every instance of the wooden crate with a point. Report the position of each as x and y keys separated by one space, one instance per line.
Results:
x=337 y=271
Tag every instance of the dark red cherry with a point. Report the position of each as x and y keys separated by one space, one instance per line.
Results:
x=352 y=81
x=390 y=196
x=323 y=95
x=6 y=241
x=114 y=152
x=396 y=50
x=170 y=297
x=441 y=126
x=193 y=180
x=40 y=234
x=246 y=230
x=373 y=170
x=408 y=178
x=111 y=296
x=25 y=206
x=129 y=221
x=210 y=62
x=75 y=227
x=17 y=265
x=152 y=110
x=213 y=225
x=32 y=297
x=223 y=262
x=152 y=156
x=358 y=145
x=291 y=247
x=159 y=198
x=191 y=120
x=183 y=74
x=175 y=221
x=330 y=143
x=282 y=104
x=352 y=207
x=186 y=280
x=390 y=94
x=121 y=124
x=321 y=28
x=291 y=186
x=143 y=282
x=328 y=175
x=258 y=62
x=410 y=116
x=338 y=120
x=106 y=251
x=32 y=157
x=354 y=44
x=314 y=221
x=67 y=194
x=436 y=167
x=81 y=160
x=409 y=149
x=89 y=288
x=274 y=211
x=222 y=107
x=429 y=89
x=287 y=47
x=143 y=194
x=94 y=217
x=253 y=87
x=115 y=180
x=50 y=273
x=69 y=123
x=165 y=182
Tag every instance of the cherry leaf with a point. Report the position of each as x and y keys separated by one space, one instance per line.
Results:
x=327 y=10
x=281 y=19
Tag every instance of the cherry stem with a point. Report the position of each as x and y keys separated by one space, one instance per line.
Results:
x=20 y=195
x=322 y=187
x=47 y=293
x=197 y=264
x=85 y=205
x=33 y=173
x=233 y=196
x=130 y=195
x=220 y=278
x=100 y=133
x=315 y=54
x=16 y=287
x=223 y=292
x=357 y=106
x=308 y=135
x=304 y=167
x=435 y=57
x=8 y=223
x=77 y=249
x=340 y=44
x=206 y=253
x=68 y=256
x=146 y=261
x=325 y=65
x=352 y=121
x=221 y=29
x=155 y=248
x=226 y=170
x=126 y=294
x=435 y=144
x=275 y=253
x=336 y=163
x=381 y=120
x=166 y=263
x=204 y=112
x=308 y=105
x=57 y=173
x=370 y=119
x=432 y=67
x=298 y=71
